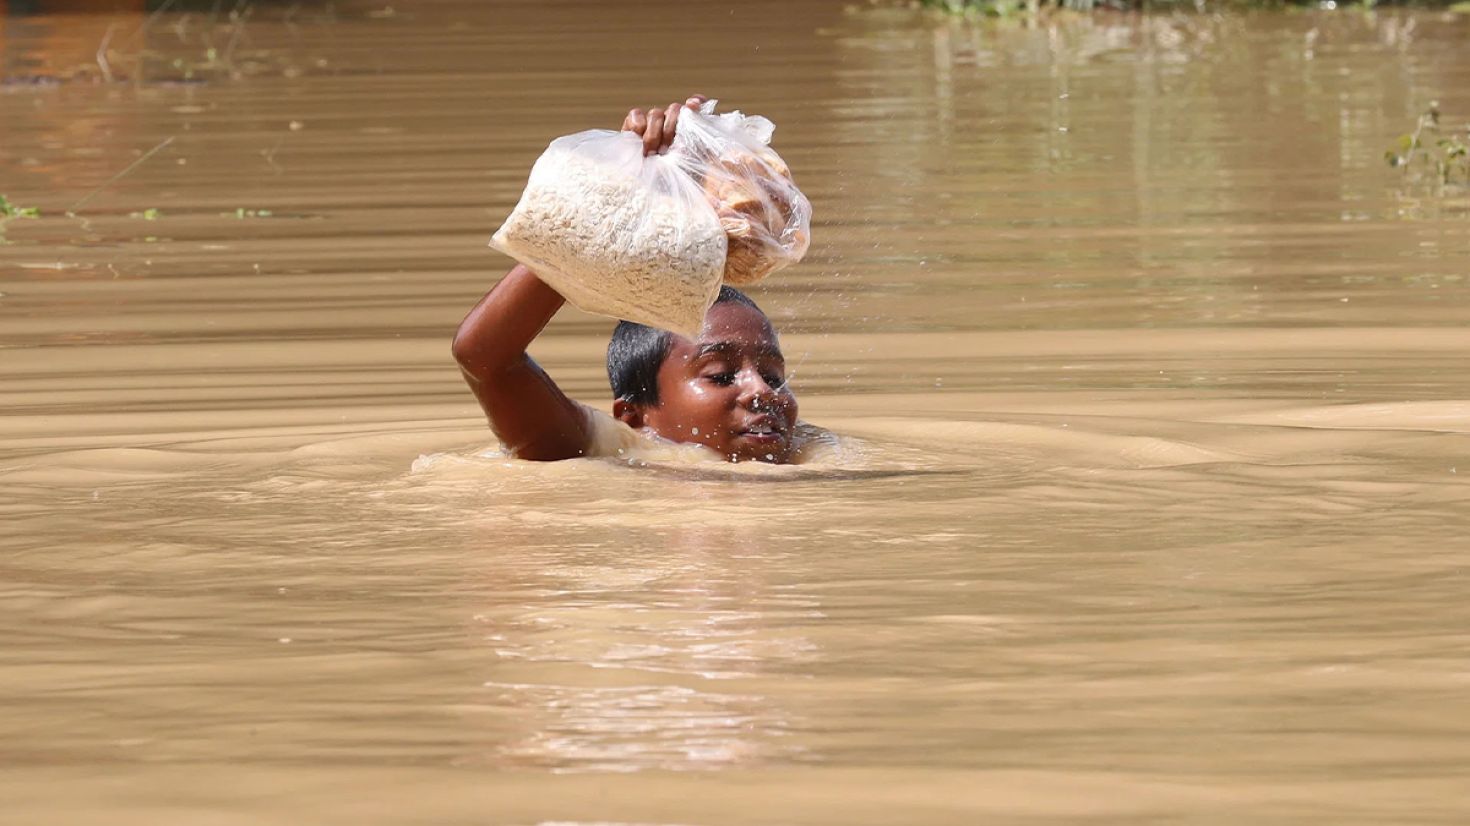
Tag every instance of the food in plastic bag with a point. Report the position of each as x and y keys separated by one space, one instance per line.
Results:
x=617 y=233
x=649 y=239
x=765 y=216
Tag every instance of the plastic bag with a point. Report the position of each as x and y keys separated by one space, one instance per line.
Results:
x=618 y=234
x=766 y=218
x=646 y=238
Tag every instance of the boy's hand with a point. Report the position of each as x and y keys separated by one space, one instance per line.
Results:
x=656 y=126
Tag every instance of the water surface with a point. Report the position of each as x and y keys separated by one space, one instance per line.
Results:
x=1153 y=375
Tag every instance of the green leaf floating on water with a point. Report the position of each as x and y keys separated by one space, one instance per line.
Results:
x=9 y=210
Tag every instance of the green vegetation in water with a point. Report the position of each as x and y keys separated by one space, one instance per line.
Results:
x=9 y=211
x=149 y=214
x=1433 y=149
x=1012 y=8
x=995 y=8
x=200 y=48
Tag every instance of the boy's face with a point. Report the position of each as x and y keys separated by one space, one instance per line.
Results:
x=727 y=390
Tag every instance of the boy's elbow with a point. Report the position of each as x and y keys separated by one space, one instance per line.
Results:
x=460 y=348
x=473 y=371
x=472 y=352
x=479 y=359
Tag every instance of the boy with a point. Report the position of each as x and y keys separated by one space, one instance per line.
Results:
x=726 y=390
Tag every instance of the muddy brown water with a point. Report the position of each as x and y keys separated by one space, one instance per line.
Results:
x=1154 y=376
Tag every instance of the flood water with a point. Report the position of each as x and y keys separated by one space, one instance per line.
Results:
x=1153 y=376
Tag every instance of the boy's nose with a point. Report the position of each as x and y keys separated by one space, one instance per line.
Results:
x=755 y=391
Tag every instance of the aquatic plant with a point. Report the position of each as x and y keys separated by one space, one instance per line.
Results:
x=1010 y=8
x=192 y=42
x=1435 y=150
x=986 y=8
x=9 y=212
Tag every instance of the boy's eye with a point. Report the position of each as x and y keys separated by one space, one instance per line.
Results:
x=723 y=379
x=774 y=380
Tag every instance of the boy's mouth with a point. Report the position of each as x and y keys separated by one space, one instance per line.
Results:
x=764 y=429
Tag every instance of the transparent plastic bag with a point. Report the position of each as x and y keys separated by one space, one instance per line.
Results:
x=617 y=233
x=649 y=239
x=765 y=216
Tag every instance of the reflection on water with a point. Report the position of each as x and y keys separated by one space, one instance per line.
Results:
x=668 y=680
x=1150 y=374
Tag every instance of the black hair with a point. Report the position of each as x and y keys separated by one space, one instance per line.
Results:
x=636 y=351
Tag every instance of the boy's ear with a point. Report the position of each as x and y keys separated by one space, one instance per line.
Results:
x=628 y=413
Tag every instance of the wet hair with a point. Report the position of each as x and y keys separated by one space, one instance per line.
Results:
x=636 y=351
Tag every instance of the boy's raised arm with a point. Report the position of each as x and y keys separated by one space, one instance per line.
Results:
x=527 y=411
x=530 y=414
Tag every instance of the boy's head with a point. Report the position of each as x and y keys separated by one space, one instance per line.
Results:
x=726 y=390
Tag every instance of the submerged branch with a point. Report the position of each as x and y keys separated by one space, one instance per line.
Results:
x=110 y=181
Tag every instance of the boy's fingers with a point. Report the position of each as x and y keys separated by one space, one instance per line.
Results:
x=696 y=101
x=636 y=121
x=654 y=133
x=671 y=122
